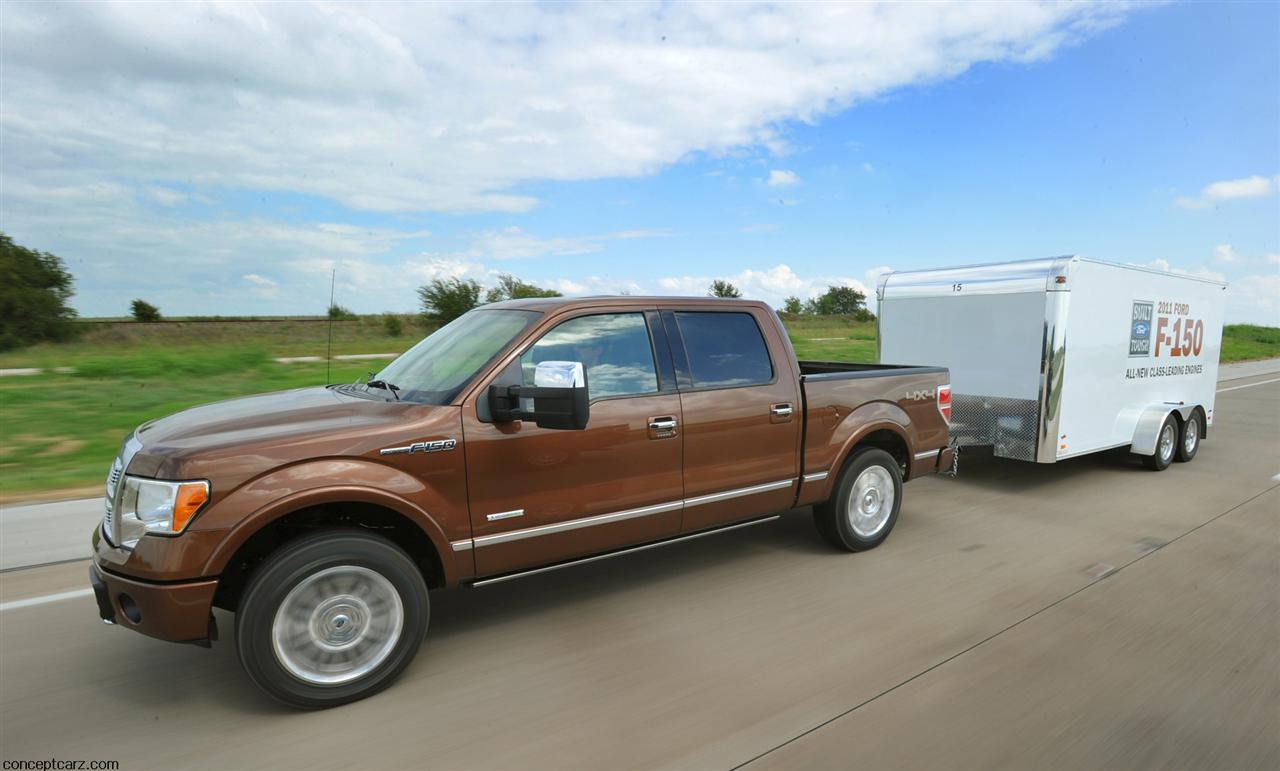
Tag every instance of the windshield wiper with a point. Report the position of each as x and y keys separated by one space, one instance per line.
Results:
x=373 y=382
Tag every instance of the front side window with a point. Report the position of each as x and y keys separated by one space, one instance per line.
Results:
x=725 y=349
x=614 y=350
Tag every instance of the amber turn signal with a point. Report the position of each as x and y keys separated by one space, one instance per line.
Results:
x=191 y=496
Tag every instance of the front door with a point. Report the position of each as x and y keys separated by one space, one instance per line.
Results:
x=540 y=495
x=742 y=415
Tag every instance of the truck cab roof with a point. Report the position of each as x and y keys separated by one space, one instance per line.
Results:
x=553 y=304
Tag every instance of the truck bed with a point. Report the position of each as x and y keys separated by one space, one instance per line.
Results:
x=839 y=370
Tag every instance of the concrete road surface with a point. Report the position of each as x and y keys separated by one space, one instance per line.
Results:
x=1089 y=614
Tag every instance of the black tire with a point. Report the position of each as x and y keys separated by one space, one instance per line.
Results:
x=1192 y=432
x=330 y=567
x=836 y=520
x=1160 y=460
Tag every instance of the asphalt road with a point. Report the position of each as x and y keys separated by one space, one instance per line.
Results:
x=1086 y=614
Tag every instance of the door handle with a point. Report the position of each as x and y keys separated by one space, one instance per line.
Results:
x=662 y=424
x=780 y=410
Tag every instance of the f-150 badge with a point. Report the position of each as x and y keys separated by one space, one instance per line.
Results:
x=439 y=445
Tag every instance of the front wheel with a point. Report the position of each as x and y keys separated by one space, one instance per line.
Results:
x=331 y=618
x=1166 y=446
x=864 y=505
x=1189 y=442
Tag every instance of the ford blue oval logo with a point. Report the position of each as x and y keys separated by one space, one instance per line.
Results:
x=1140 y=329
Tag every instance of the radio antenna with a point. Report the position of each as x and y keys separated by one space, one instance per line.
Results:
x=328 y=351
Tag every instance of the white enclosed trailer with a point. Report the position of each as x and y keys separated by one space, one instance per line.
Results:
x=1060 y=357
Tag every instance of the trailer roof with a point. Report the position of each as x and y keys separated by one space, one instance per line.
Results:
x=1040 y=275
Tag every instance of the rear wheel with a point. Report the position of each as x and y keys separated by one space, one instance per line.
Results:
x=1166 y=446
x=864 y=505
x=331 y=618
x=1189 y=442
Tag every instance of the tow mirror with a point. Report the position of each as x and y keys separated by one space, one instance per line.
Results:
x=557 y=399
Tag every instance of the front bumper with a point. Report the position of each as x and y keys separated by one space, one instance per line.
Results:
x=178 y=612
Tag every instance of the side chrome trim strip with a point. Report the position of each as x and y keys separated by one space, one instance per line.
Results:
x=816 y=476
x=929 y=454
x=740 y=492
x=617 y=516
x=619 y=553
x=505 y=515
x=574 y=524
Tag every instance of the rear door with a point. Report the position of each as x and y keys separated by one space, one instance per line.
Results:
x=742 y=414
x=543 y=495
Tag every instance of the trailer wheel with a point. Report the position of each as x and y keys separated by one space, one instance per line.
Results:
x=864 y=505
x=1166 y=446
x=1189 y=442
x=331 y=618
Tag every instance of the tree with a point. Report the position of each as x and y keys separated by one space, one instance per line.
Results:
x=443 y=301
x=793 y=305
x=511 y=288
x=144 y=311
x=338 y=313
x=839 y=301
x=34 y=290
x=722 y=288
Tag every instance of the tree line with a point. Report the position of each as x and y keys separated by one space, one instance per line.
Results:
x=36 y=289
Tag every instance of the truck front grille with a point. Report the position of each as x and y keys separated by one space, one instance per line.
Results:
x=113 y=486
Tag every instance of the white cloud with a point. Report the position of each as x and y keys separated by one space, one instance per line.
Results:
x=1226 y=253
x=1229 y=190
x=167 y=196
x=773 y=285
x=261 y=286
x=782 y=178
x=1274 y=259
x=1254 y=300
x=450 y=107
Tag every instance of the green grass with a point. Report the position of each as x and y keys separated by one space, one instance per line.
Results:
x=60 y=431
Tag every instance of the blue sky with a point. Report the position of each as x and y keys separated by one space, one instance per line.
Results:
x=783 y=150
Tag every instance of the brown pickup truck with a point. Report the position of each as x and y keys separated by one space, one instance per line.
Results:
x=525 y=436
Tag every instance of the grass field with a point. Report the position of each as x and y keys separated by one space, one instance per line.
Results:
x=60 y=431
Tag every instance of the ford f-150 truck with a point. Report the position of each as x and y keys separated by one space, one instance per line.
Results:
x=522 y=437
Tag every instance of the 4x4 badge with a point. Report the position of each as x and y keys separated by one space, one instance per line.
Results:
x=439 y=445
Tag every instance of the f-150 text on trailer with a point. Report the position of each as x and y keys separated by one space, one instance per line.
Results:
x=524 y=436
x=1055 y=358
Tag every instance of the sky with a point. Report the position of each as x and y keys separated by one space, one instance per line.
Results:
x=225 y=158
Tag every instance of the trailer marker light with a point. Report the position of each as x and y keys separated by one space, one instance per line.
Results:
x=944 y=402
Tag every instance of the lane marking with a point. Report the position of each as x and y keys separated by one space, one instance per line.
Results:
x=1250 y=385
x=29 y=602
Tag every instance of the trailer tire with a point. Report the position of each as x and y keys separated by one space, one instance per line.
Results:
x=864 y=505
x=1189 y=439
x=1166 y=446
x=331 y=618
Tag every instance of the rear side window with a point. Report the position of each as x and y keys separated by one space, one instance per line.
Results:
x=725 y=349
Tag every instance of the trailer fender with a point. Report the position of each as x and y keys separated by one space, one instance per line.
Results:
x=1147 y=432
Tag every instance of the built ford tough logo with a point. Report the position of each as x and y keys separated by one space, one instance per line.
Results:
x=439 y=445
x=1140 y=329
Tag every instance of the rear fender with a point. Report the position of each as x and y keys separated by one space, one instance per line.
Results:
x=853 y=429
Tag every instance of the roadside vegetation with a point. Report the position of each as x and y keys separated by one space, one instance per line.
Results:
x=101 y=378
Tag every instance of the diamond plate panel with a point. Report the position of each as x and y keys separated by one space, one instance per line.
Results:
x=1009 y=426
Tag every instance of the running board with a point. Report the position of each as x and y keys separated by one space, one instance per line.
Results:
x=620 y=552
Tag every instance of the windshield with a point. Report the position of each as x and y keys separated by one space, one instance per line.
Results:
x=436 y=369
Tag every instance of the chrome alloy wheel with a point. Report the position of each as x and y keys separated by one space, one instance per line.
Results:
x=1191 y=436
x=1168 y=440
x=337 y=625
x=870 y=501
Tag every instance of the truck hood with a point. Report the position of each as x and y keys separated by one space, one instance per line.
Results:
x=241 y=437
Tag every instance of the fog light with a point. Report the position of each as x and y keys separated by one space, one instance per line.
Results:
x=130 y=609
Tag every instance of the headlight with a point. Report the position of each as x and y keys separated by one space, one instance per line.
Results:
x=163 y=508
